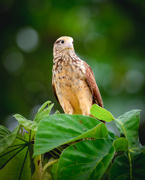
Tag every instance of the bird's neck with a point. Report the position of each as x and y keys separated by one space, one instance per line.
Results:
x=64 y=56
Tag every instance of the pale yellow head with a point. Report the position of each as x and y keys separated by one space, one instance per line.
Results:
x=63 y=45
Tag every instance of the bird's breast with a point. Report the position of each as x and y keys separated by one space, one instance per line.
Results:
x=69 y=74
x=70 y=83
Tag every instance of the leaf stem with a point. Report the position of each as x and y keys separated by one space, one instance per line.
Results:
x=47 y=165
x=130 y=164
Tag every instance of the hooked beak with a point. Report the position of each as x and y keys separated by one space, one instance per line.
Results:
x=69 y=46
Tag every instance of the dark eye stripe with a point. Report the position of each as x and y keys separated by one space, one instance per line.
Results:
x=59 y=41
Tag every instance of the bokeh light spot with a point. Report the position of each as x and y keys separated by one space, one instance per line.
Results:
x=13 y=62
x=27 y=39
x=134 y=80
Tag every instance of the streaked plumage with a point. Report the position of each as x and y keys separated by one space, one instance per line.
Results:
x=73 y=80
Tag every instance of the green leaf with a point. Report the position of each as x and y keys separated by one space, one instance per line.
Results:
x=101 y=113
x=112 y=135
x=57 y=112
x=3 y=132
x=56 y=130
x=143 y=151
x=128 y=125
x=84 y=160
x=121 y=144
x=33 y=125
x=102 y=166
x=7 y=137
x=43 y=111
x=99 y=131
x=27 y=124
x=128 y=166
x=15 y=160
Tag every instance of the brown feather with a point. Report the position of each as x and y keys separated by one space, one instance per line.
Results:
x=90 y=79
x=54 y=90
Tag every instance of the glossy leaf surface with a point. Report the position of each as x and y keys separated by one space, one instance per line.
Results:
x=56 y=130
x=128 y=125
x=101 y=113
x=87 y=159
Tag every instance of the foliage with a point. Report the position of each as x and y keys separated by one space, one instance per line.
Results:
x=62 y=146
x=101 y=113
x=108 y=35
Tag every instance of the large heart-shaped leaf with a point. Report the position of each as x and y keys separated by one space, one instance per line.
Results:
x=87 y=159
x=128 y=125
x=15 y=160
x=128 y=166
x=56 y=130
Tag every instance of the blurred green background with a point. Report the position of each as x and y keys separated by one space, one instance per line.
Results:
x=108 y=35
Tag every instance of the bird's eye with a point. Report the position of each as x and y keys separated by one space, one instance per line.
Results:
x=62 y=41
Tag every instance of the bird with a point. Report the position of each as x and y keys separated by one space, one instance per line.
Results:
x=73 y=80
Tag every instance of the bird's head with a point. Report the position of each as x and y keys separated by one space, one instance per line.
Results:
x=63 y=45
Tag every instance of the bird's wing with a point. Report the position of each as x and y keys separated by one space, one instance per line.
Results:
x=90 y=79
x=54 y=90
